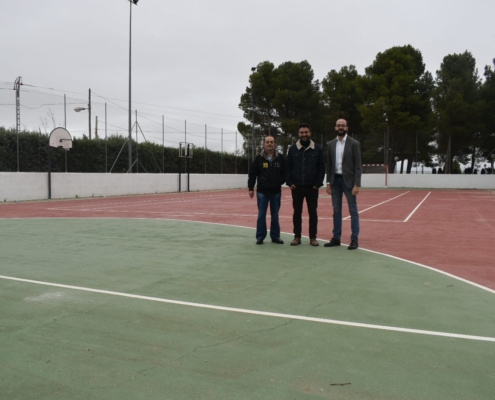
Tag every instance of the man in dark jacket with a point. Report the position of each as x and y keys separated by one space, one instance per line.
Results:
x=269 y=169
x=304 y=175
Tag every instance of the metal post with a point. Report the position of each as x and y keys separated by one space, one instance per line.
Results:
x=206 y=145
x=106 y=141
x=235 y=156
x=187 y=165
x=185 y=131
x=252 y=130
x=180 y=150
x=96 y=127
x=89 y=113
x=163 y=146
x=253 y=70
x=137 y=147
x=130 y=108
x=49 y=173
x=221 y=152
x=17 y=87
x=416 y=157
x=65 y=113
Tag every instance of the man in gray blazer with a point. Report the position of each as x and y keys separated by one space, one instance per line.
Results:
x=344 y=177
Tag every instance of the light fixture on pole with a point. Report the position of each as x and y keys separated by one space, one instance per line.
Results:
x=131 y=2
x=79 y=109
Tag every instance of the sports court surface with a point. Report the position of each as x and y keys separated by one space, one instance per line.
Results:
x=167 y=297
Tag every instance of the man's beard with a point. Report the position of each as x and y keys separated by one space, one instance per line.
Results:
x=341 y=132
x=304 y=139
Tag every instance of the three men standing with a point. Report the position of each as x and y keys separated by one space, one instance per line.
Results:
x=344 y=178
x=304 y=175
x=269 y=169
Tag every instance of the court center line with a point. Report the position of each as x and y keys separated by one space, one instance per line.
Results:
x=413 y=211
x=254 y=312
x=379 y=204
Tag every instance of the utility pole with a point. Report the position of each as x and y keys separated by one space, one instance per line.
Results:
x=17 y=88
x=89 y=111
x=253 y=70
x=131 y=2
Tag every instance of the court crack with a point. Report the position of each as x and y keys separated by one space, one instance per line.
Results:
x=319 y=305
x=260 y=284
x=231 y=340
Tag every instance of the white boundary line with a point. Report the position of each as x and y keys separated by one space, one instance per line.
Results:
x=434 y=270
x=286 y=233
x=379 y=204
x=413 y=211
x=254 y=312
x=252 y=228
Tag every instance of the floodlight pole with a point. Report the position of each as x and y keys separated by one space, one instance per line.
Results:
x=89 y=111
x=131 y=2
x=253 y=70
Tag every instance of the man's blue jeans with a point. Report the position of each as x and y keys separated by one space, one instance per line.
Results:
x=339 y=188
x=263 y=201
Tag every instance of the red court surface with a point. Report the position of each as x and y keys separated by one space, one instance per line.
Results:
x=450 y=230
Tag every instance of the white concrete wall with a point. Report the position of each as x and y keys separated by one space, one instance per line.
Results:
x=34 y=186
x=23 y=186
x=442 y=181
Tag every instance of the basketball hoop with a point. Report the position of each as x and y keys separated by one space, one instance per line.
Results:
x=60 y=137
x=186 y=150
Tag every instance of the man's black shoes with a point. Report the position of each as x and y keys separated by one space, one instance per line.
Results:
x=353 y=245
x=259 y=241
x=332 y=243
x=278 y=241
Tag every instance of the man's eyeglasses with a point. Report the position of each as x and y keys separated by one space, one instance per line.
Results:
x=340 y=126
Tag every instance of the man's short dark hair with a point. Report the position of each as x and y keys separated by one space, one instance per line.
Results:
x=267 y=136
x=305 y=125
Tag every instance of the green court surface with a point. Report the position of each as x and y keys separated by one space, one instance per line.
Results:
x=76 y=343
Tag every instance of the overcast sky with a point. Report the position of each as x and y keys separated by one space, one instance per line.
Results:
x=191 y=59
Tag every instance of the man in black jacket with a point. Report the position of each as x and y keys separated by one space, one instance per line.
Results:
x=304 y=175
x=269 y=169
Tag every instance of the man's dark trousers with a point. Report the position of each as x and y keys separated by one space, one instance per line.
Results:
x=309 y=193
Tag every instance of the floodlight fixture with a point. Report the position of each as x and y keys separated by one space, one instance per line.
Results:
x=253 y=69
x=134 y=1
x=79 y=109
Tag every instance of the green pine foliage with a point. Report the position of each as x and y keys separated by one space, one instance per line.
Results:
x=89 y=156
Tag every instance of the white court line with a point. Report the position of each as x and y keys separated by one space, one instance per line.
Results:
x=255 y=312
x=379 y=204
x=413 y=211
x=253 y=228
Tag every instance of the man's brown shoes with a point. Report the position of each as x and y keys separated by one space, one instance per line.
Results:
x=295 y=242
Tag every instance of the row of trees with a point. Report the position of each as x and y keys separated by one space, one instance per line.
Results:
x=397 y=109
x=98 y=155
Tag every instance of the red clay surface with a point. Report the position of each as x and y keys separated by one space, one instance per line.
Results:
x=452 y=230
